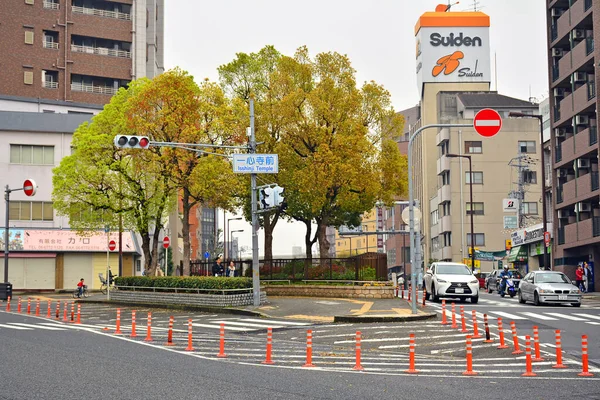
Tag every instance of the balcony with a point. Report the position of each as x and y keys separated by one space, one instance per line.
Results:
x=556 y=114
x=48 y=44
x=446 y=224
x=561 y=235
x=50 y=84
x=553 y=33
x=559 y=194
x=443 y=134
x=558 y=153
x=102 y=13
x=447 y=253
x=444 y=194
x=82 y=87
x=103 y=51
x=443 y=164
x=569 y=190
x=585 y=229
x=51 y=5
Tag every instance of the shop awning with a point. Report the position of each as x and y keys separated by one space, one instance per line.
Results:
x=518 y=254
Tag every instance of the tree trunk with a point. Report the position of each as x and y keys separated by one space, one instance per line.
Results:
x=147 y=254
x=269 y=227
x=308 y=245
x=155 y=238
x=185 y=230
x=323 y=242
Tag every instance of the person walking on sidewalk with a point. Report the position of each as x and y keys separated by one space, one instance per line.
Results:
x=579 y=277
x=587 y=276
x=217 y=268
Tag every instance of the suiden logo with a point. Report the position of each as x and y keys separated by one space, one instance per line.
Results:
x=451 y=40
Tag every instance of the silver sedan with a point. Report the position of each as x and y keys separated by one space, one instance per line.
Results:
x=551 y=287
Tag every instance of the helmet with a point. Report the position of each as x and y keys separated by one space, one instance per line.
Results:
x=506 y=267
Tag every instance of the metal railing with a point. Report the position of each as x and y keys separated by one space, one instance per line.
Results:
x=48 y=44
x=82 y=87
x=558 y=153
x=50 y=5
x=103 y=51
x=561 y=235
x=50 y=85
x=102 y=13
x=559 y=194
x=595 y=181
x=593 y=135
x=589 y=45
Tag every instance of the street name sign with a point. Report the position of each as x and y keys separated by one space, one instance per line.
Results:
x=256 y=163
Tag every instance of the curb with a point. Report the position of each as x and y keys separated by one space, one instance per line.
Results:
x=370 y=319
x=179 y=307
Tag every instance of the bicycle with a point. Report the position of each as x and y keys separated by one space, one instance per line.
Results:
x=104 y=286
x=85 y=292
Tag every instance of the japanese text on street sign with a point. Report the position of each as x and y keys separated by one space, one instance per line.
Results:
x=256 y=163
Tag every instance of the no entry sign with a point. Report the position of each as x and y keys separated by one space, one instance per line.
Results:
x=29 y=187
x=112 y=245
x=166 y=242
x=487 y=122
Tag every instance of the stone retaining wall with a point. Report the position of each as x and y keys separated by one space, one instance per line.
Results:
x=356 y=292
x=211 y=300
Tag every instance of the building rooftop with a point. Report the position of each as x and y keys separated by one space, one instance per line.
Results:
x=492 y=100
x=41 y=122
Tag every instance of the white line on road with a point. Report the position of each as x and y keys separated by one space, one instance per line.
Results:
x=588 y=316
x=15 y=327
x=593 y=323
x=506 y=315
x=566 y=316
x=38 y=326
x=538 y=316
x=263 y=326
x=264 y=321
x=227 y=327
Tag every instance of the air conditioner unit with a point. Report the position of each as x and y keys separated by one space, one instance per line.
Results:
x=583 y=163
x=563 y=214
x=560 y=132
x=557 y=52
x=582 y=120
x=583 y=207
x=579 y=77
x=559 y=92
x=556 y=12
x=578 y=34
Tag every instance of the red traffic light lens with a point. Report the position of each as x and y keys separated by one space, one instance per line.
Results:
x=133 y=141
x=122 y=141
x=144 y=142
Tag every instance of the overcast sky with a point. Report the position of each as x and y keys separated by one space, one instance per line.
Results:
x=377 y=36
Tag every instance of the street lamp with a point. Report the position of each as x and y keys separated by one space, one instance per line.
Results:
x=472 y=205
x=543 y=158
x=230 y=242
x=225 y=248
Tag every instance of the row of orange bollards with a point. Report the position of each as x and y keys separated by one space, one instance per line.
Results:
x=49 y=312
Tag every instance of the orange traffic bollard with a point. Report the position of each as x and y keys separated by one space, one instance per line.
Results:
x=409 y=292
x=411 y=356
x=72 y=312
x=170 y=333
x=444 y=321
x=57 y=310
x=529 y=369
x=469 y=370
x=268 y=359
x=308 y=363
x=501 y=333
x=189 y=346
x=559 y=363
x=65 y=319
x=118 y=330
x=149 y=329
x=424 y=295
x=358 y=366
x=37 y=308
x=536 y=345
x=8 y=305
x=49 y=314
x=133 y=333
x=19 y=305
x=454 y=316
x=476 y=334
x=584 y=357
x=29 y=305
x=488 y=338
x=78 y=314
x=463 y=323
x=513 y=327
x=222 y=342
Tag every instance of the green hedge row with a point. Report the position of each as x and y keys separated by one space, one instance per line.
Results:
x=193 y=282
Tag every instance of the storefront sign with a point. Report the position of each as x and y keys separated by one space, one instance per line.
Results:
x=532 y=234
x=510 y=205
x=63 y=241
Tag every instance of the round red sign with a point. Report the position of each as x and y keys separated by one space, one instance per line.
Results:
x=112 y=245
x=29 y=187
x=547 y=238
x=166 y=242
x=487 y=122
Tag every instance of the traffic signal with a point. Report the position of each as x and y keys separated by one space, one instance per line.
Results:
x=278 y=196
x=132 y=142
x=265 y=198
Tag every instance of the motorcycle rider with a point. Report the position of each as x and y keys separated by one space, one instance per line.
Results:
x=504 y=275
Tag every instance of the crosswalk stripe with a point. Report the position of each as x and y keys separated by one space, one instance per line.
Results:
x=506 y=315
x=263 y=326
x=593 y=323
x=589 y=316
x=231 y=328
x=15 y=327
x=538 y=316
x=277 y=322
x=36 y=326
x=566 y=316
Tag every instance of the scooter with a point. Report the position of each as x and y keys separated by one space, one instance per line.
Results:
x=509 y=288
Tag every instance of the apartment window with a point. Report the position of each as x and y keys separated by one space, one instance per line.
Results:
x=51 y=4
x=26 y=154
x=31 y=211
x=530 y=208
x=50 y=79
x=28 y=77
x=479 y=239
x=446 y=209
x=446 y=178
x=473 y=147
x=530 y=177
x=477 y=177
x=435 y=217
x=435 y=243
x=50 y=40
x=474 y=208
x=527 y=146
x=447 y=239
x=28 y=37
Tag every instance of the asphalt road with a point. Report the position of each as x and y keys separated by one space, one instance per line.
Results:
x=70 y=361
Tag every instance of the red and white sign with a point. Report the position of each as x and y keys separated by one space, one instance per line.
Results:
x=112 y=245
x=547 y=238
x=29 y=187
x=166 y=242
x=57 y=240
x=487 y=122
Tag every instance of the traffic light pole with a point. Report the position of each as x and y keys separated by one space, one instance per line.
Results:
x=255 y=266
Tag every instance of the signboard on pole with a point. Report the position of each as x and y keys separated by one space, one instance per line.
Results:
x=29 y=187
x=510 y=205
x=547 y=238
x=487 y=122
x=112 y=245
x=256 y=163
x=166 y=242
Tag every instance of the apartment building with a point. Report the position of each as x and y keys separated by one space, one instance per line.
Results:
x=573 y=29
x=352 y=245
x=73 y=55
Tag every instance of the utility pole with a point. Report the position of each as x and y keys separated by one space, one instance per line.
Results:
x=255 y=267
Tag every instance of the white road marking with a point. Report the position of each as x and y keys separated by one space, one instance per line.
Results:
x=263 y=326
x=230 y=328
x=277 y=322
x=566 y=316
x=589 y=316
x=593 y=323
x=506 y=315
x=37 y=326
x=15 y=327
x=538 y=316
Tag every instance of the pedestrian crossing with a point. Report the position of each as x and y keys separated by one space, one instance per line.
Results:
x=247 y=324
x=29 y=327
x=590 y=319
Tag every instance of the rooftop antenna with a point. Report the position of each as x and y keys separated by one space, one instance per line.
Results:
x=450 y=5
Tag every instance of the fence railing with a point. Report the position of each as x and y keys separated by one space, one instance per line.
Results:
x=50 y=85
x=82 y=87
x=49 y=44
x=102 y=13
x=103 y=51
x=51 y=5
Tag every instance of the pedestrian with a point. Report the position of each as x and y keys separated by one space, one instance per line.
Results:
x=231 y=269
x=80 y=286
x=401 y=282
x=579 y=277
x=587 y=276
x=217 y=268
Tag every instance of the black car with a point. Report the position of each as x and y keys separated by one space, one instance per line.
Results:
x=492 y=282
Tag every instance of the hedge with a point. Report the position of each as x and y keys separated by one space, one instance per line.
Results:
x=192 y=282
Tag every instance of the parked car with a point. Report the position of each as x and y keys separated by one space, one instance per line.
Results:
x=548 y=287
x=448 y=279
x=493 y=283
x=482 y=276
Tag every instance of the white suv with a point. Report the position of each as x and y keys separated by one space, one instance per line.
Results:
x=448 y=279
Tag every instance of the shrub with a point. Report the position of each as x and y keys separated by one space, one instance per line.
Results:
x=184 y=282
